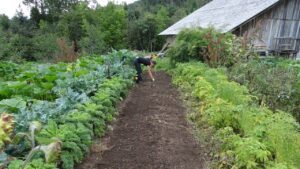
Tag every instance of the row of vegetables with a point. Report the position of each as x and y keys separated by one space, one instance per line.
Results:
x=250 y=136
x=53 y=111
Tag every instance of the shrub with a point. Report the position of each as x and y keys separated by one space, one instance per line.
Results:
x=207 y=45
x=275 y=85
x=45 y=46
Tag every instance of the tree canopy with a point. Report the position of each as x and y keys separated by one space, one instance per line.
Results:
x=88 y=29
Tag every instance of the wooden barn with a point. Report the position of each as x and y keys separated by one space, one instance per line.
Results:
x=274 y=25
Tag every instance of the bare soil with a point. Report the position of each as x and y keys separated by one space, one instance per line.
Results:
x=151 y=132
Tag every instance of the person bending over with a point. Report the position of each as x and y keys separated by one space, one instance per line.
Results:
x=146 y=62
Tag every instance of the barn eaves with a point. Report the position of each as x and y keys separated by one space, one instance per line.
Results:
x=224 y=15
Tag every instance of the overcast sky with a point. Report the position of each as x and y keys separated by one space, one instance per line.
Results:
x=9 y=7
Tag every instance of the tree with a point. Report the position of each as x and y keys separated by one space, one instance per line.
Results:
x=143 y=33
x=45 y=46
x=146 y=31
x=163 y=21
x=22 y=47
x=51 y=9
x=4 y=22
x=91 y=30
x=179 y=14
x=113 y=24
x=147 y=18
x=71 y=24
x=93 y=42
x=4 y=45
x=20 y=24
x=36 y=16
x=21 y=40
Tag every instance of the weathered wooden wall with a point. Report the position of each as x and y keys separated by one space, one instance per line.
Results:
x=278 y=27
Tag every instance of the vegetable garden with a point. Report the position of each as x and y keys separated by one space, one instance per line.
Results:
x=246 y=108
x=249 y=102
x=250 y=136
x=53 y=111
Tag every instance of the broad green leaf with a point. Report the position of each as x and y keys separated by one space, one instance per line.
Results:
x=12 y=105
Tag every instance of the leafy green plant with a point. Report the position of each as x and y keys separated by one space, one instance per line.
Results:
x=74 y=101
x=207 y=45
x=35 y=164
x=251 y=136
x=274 y=84
x=69 y=135
x=8 y=71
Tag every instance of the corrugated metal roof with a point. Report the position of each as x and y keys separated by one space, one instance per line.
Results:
x=224 y=15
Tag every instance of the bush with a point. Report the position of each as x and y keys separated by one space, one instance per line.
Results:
x=207 y=45
x=45 y=46
x=274 y=84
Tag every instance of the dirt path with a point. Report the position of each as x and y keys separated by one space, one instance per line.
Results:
x=151 y=133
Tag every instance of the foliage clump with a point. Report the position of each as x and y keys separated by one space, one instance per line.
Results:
x=250 y=136
x=78 y=104
x=207 y=45
x=274 y=82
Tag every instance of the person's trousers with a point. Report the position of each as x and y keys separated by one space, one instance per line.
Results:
x=138 y=69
